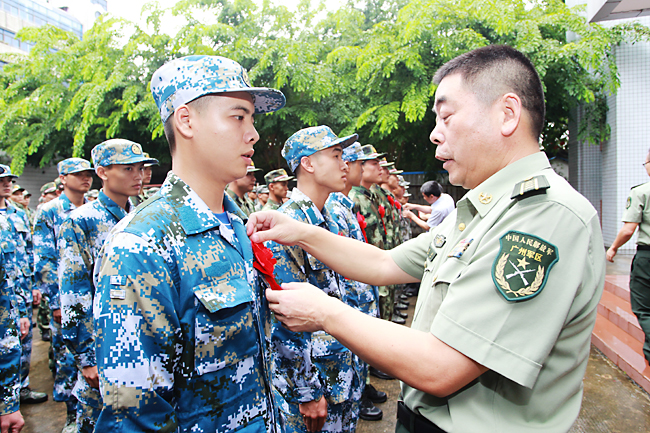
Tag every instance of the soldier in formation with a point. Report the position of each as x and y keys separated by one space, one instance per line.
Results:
x=277 y=181
x=239 y=189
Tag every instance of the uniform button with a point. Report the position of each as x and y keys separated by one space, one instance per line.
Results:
x=461 y=226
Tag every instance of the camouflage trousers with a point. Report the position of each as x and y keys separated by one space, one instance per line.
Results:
x=66 y=370
x=43 y=317
x=341 y=418
x=386 y=302
x=89 y=406
x=26 y=351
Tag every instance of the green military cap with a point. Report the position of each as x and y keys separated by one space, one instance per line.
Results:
x=251 y=168
x=262 y=189
x=395 y=171
x=384 y=163
x=26 y=194
x=48 y=188
x=370 y=152
x=58 y=184
x=279 y=175
x=153 y=162
x=17 y=188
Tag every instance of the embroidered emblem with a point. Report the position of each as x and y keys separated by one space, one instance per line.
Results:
x=628 y=203
x=245 y=77
x=522 y=265
x=460 y=248
x=84 y=164
x=439 y=241
x=484 y=198
x=118 y=280
x=136 y=149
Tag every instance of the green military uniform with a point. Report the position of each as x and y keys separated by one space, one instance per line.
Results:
x=506 y=285
x=245 y=204
x=271 y=205
x=637 y=210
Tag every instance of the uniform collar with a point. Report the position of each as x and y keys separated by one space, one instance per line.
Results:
x=307 y=206
x=111 y=206
x=363 y=190
x=343 y=199
x=484 y=197
x=66 y=204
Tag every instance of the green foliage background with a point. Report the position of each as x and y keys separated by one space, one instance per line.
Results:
x=364 y=68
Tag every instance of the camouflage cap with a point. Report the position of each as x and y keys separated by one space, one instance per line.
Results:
x=251 y=168
x=354 y=152
x=57 y=183
x=370 y=152
x=262 y=189
x=406 y=194
x=26 y=194
x=308 y=141
x=188 y=78
x=384 y=163
x=279 y=175
x=93 y=193
x=154 y=161
x=5 y=171
x=48 y=188
x=73 y=165
x=403 y=182
x=17 y=188
x=395 y=171
x=118 y=151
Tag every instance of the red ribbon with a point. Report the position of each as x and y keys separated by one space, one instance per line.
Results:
x=382 y=213
x=398 y=205
x=363 y=224
x=265 y=263
x=390 y=200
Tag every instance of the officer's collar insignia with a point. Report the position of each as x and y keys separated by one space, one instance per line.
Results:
x=460 y=248
x=628 y=203
x=484 y=198
x=522 y=265
x=529 y=187
x=439 y=241
x=431 y=253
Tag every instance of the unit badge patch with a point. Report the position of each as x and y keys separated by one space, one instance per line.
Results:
x=439 y=241
x=628 y=202
x=522 y=266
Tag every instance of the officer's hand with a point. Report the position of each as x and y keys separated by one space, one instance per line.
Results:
x=56 y=315
x=314 y=414
x=409 y=206
x=273 y=226
x=408 y=214
x=36 y=294
x=11 y=423
x=91 y=376
x=611 y=252
x=300 y=307
x=24 y=327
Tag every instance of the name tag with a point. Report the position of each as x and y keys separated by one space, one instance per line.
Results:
x=118 y=294
x=118 y=280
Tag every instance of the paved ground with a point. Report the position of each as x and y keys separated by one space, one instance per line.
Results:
x=612 y=402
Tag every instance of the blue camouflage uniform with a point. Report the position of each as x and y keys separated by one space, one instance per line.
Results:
x=10 y=362
x=308 y=366
x=46 y=229
x=181 y=320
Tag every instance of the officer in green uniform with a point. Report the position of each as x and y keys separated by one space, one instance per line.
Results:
x=637 y=214
x=239 y=189
x=501 y=334
x=277 y=182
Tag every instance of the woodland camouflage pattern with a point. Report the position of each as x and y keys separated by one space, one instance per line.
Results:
x=181 y=321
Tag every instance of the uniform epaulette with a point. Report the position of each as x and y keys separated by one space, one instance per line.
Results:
x=531 y=186
x=636 y=186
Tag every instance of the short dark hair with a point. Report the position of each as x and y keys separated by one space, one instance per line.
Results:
x=492 y=71
x=198 y=104
x=431 y=187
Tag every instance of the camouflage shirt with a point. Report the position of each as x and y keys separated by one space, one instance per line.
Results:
x=309 y=365
x=390 y=223
x=366 y=205
x=245 y=204
x=79 y=242
x=181 y=320
x=9 y=340
x=17 y=239
x=359 y=295
x=46 y=257
x=271 y=205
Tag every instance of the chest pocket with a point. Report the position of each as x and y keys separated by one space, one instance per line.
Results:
x=7 y=247
x=21 y=226
x=225 y=331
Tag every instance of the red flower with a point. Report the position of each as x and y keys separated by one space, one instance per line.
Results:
x=390 y=200
x=363 y=224
x=264 y=262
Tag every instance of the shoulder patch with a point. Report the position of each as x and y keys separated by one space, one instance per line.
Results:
x=531 y=186
x=628 y=202
x=522 y=265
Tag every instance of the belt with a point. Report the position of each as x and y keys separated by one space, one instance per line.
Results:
x=643 y=247
x=415 y=423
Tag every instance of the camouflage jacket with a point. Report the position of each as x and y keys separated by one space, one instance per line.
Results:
x=359 y=295
x=17 y=242
x=46 y=257
x=245 y=204
x=366 y=205
x=181 y=321
x=271 y=205
x=9 y=340
x=79 y=242
x=309 y=365
x=391 y=224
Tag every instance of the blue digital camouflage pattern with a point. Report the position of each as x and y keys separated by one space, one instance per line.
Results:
x=9 y=339
x=18 y=271
x=5 y=171
x=310 y=140
x=188 y=78
x=181 y=321
x=119 y=151
x=73 y=165
x=48 y=221
x=308 y=366
x=355 y=152
x=79 y=243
